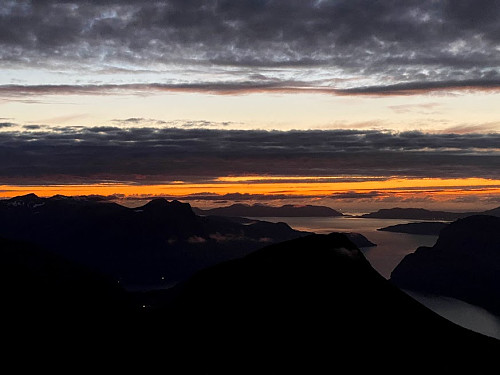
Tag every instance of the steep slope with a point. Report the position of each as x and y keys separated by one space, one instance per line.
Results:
x=464 y=263
x=312 y=305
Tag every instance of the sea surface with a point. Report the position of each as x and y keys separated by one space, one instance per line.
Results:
x=390 y=250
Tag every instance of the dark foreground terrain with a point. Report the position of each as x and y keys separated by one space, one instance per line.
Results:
x=464 y=263
x=157 y=244
x=309 y=305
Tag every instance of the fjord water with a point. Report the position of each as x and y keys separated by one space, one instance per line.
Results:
x=390 y=250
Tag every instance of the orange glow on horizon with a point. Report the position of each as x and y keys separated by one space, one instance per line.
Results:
x=295 y=186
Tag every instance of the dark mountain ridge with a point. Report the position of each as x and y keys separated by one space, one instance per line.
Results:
x=426 y=228
x=37 y=282
x=313 y=305
x=160 y=242
x=423 y=214
x=309 y=305
x=464 y=263
x=260 y=210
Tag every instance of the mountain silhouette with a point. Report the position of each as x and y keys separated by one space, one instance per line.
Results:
x=426 y=228
x=259 y=210
x=413 y=213
x=492 y=212
x=359 y=240
x=464 y=263
x=423 y=214
x=59 y=315
x=37 y=282
x=159 y=243
x=310 y=305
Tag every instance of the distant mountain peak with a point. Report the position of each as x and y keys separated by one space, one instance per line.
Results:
x=261 y=210
x=60 y=197
x=26 y=197
x=28 y=200
x=157 y=202
x=163 y=207
x=164 y=203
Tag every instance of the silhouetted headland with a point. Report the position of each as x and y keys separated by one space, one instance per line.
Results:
x=426 y=228
x=260 y=210
x=423 y=214
x=464 y=263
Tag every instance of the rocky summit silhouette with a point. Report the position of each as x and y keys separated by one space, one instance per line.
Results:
x=260 y=210
x=464 y=263
x=158 y=243
x=311 y=305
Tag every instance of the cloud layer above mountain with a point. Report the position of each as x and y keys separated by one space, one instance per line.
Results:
x=352 y=46
x=162 y=154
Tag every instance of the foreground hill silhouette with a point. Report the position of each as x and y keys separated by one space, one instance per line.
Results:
x=309 y=305
x=38 y=283
x=313 y=305
x=60 y=316
x=464 y=263
x=159 y=243
x=260 y=210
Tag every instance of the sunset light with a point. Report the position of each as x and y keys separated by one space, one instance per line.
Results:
x=281 y=187
x=250 y=186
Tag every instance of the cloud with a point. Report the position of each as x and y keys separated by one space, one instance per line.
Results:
x=235 y=197
x=383 y=46
x=472 y=128
x=199 y=124
x=353 y=195
x=160 y=154
x=409 y=88
x=247 y=87
x=221 y=88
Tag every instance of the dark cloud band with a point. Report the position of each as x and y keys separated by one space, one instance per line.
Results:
x=246 y=87
x=152 y=155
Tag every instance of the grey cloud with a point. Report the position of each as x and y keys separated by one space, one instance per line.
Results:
x=411 y=87
x=425 y=40
x=236 y=87
x=244 y=87
x=139 y=121
x=150 y=155
x=220 y=198
x=351 y=195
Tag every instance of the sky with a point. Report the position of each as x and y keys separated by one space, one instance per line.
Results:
x=354 y=104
